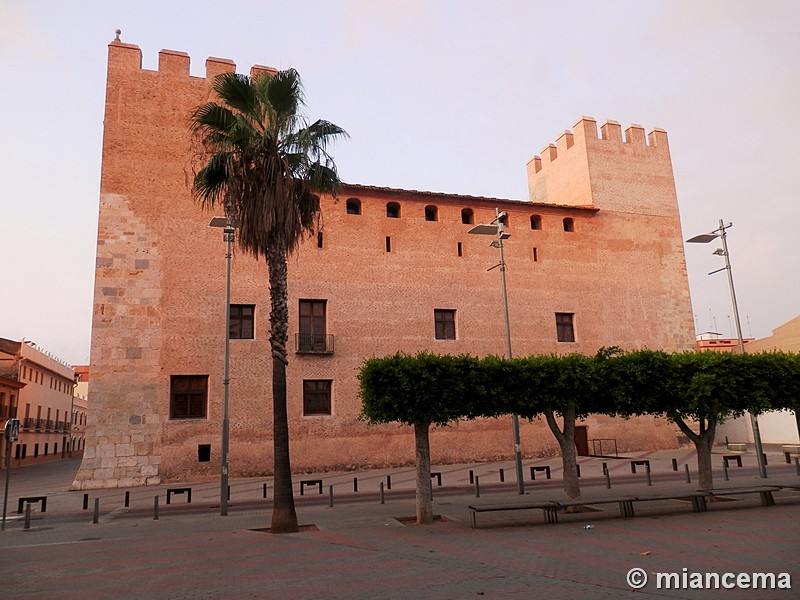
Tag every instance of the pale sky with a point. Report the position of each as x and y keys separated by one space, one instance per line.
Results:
x=450 y=96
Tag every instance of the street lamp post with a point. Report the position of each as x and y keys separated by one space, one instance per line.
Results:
x=227 y=234
x=498 y=228
x=704 y=238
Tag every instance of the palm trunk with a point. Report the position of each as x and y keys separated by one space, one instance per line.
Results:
x=424 y=487
x=569 y=455
x=284 y=517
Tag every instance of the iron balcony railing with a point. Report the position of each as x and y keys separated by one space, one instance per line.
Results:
x=313 y=343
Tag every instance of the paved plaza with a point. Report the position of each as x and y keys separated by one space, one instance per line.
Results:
x=361 y=548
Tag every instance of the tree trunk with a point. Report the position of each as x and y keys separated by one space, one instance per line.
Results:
x=424 y=487
x=284 y=517
x=569 y=455
x=703 y=442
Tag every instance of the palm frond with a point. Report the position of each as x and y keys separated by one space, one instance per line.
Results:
x=237 y=91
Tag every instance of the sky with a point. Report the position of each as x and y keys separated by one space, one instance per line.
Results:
x=448 y=96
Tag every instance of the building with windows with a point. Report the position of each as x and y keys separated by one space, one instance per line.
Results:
x=36 y=388
x=595 y=258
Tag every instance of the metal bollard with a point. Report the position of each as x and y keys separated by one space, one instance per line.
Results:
x=383 y=498
x=229 y=492
x=86 y=502
x=127 y=499
x=605 y=468
x=330 y=496
x=388 y=482
x=674 y=464
x=725 y=469
x=647 y=472
x=688 y=477
x=477 y=487
x=797 y=464
x=27 y=516
x=502 y=475
x=96 y=516
x=608 y=479
x=471 y=476
x=155 y=509
x=355 y=484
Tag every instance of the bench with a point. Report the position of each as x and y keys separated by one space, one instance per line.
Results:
x=764 y=493
x=438 y=478
x=42 y=499
x=550 y=510
x=183 y=490
x=310 y=482
x=640 y=463
x=737 y=458
x=545 y=469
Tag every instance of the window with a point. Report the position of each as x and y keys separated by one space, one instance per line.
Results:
x=353 y=206
x=203 y=452
x=188 y=396
x=242 y=323
x=388 y=243
x=535 y=254
x=393 y=210
x=444 y=324
x=460 y=249
x=564 y=328
x=431 y=213
x=467 y=216
x=569 y=224
x=312 y=326
x=536 y=222
x=319 y=240
x=317 y=396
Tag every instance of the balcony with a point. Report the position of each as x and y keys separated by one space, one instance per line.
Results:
x=313 y=343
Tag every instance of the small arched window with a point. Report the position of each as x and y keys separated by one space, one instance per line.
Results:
x=569 y=224
x=431 y=213
x=467 y=216
x=536 y=222
x=393 y=210
x=353 y=206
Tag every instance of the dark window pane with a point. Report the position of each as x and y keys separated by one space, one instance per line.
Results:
x=317 y=397
x=242 y=322
x=565 y=331
x=444 y=324
x=188 y=396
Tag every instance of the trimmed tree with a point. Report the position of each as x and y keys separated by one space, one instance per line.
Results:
x=424 y=390
x=266 y=166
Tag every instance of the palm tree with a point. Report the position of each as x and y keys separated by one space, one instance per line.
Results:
x=266 y=166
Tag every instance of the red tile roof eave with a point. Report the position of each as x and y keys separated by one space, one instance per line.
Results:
x=12 y=383
x=388 y=190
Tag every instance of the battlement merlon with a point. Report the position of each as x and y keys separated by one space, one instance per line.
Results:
x=173 y=62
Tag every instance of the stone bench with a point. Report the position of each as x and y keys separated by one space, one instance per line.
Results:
x=550 y=510
x=545 y=469
x=737 y=458
x=310 y=482
x=181 y=490
x=32 y=499
x=789 y=451
x=742 y=448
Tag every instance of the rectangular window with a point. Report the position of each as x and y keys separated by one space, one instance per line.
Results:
x=444 y=324
x=460 y=250
x=565 y=331
x=317 y=396
x=188 y=396
x=388 y=243
x=312 y=326
x=242 y=322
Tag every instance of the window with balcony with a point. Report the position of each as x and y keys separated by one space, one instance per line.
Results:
x=313 y=337
x=188 y=397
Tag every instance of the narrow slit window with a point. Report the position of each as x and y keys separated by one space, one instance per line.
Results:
x=460 y=249
x=535 y=254
x=388 y=243
x=319 y=240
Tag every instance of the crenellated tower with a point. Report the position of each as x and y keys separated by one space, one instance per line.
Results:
x=610 y=172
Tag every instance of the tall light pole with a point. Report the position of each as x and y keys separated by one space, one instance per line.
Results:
x=704 y=238
x=227 y=234
x=497 y=227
